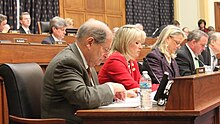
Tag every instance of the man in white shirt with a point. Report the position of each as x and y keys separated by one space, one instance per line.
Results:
x=25 y=21
x=189 y=56
x=213 y=47
x=57 y=30
x=71 y=82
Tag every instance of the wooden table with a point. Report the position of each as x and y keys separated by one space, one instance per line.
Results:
x=192 y=100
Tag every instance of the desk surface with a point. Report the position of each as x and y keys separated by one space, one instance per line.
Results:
x=32 y=38
x=192 y=100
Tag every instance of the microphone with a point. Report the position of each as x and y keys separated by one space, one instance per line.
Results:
x=199 y=61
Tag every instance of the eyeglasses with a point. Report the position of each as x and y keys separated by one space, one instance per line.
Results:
x=106 y=49
x=177 y=42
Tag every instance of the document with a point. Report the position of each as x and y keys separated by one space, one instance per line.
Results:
x=128 y=103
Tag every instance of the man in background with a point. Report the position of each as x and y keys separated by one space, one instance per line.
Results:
x=57 y=30
x=189 y=56
x=25 y=21
x=213 y=47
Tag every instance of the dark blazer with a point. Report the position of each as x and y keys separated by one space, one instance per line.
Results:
x=185 y=61
x=207 y=56
x=21 y=30
x=159 y=65
x=67 y=87
x=48 y=40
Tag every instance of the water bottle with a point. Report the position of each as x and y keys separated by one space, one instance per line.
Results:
x=145 y=91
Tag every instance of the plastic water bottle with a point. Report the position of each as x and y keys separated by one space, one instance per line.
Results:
x=145 y=91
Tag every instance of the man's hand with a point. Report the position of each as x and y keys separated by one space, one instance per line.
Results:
x=132 y=93
x=119 y=91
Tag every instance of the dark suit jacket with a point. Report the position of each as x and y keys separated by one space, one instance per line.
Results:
x=159 y=65
x=207 y=56
x=21 y=30
x=185 y=61
x=67 y=87
x=48 y=40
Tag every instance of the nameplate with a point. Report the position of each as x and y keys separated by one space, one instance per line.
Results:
x=200 y=70
x=71 y=34
x=14 y=31
x=60 y=42
x=20 y=40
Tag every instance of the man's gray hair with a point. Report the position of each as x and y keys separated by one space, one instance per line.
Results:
x=196 y=35
x=93 y=28
x=57 y=22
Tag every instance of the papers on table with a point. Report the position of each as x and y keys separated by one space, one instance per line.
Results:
x=129 y=102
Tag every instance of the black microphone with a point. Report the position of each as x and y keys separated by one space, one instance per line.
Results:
x=199 y=61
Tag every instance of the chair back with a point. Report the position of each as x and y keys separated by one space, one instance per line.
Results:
x=23 y=84
x=43 y=27
x=146 y=67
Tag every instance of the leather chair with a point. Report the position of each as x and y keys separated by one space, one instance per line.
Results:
x=43 y=27
x=23 y=83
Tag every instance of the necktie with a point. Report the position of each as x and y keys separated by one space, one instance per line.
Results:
x=196 y=64
x=28 y=32
x=89 y=72
x=90 y=75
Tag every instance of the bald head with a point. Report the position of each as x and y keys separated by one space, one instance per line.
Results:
x=214 y=42
x=94 y=28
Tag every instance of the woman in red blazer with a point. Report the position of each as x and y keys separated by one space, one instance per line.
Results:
x=121 y=66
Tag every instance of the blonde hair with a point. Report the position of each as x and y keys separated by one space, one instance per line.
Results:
x=162 y=45
x=69 y=22
x=124 y=37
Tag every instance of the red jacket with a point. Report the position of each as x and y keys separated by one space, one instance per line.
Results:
x=115 y=69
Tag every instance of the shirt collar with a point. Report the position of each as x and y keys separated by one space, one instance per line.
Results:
x=83 y=58
x=192 y=53
x=55 y=39
x=25 y=29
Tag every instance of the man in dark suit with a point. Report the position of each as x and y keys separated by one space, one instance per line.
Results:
x=188 y=56
x=213 y=47
x=25 y=21
x=71 y=82
x=57 y=31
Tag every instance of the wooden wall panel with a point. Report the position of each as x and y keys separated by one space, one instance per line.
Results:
x=78 y=5
x=95 y=6
x=114 y=7
x=77 y=16
x=111 y=12
x=114 y=20
x=100 y=17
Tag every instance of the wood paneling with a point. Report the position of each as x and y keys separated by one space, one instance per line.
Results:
x=114 y=7
x=95 y=6
x=77 y=16
x=114 y=20
x=217 y=16
x=111 y=12
x=100 y=17
x=78 y=5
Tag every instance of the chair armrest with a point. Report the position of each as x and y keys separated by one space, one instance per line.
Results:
x=37 y=121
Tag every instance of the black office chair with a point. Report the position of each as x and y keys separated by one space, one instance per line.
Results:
x=23 y=83
x=43 y=27
x=146 y=67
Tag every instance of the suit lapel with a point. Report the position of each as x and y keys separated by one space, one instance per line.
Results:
x=75 y=50
x=190 y=58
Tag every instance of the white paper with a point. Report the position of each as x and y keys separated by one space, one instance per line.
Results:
x=128 y=103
